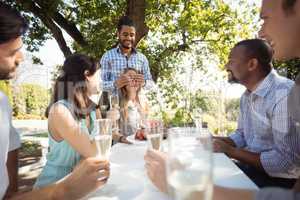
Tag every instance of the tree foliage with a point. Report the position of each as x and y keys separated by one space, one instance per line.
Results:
x=168 y=30
x=6 y=89
x=30 y=100
x=173 y=26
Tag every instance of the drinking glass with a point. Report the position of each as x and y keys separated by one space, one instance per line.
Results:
x=114 y=105
x=114 y=101
x=197 y=117
x=154 y=134
x=103 y=137
x=104 y=103
x=189 y=164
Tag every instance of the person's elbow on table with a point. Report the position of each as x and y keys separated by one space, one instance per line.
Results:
x=222 y=193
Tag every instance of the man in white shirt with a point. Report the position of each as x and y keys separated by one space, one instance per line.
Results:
x=87 y=176
x=10 y=147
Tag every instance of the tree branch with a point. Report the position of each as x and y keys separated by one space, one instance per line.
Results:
x=68 y=26
x=55 y=30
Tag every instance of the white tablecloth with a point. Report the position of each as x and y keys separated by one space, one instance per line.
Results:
x=128 y=180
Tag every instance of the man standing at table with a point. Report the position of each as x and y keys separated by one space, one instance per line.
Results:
x=125 y=55
x=85 y=177
x=259 y=144
x=282 y=29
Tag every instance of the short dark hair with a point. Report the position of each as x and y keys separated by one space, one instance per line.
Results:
x=125 y=21
x=288 y=5
x=260 y=50
x=12 y=24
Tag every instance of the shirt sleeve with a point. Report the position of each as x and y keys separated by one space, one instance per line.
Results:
x=106 y=74
x=238 y=136
x=278 y=161
x=276 y=194
x=14 y=137
x=146 y=69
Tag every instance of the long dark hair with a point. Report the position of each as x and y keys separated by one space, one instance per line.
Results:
x=71 y=84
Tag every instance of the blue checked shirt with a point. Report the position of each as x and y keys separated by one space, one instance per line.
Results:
x=113 y=63
x=265 y=127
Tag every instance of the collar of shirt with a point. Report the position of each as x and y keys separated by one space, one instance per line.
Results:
x=265 y=86
x=118 y=49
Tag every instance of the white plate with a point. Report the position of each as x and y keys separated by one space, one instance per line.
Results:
x=134 y=141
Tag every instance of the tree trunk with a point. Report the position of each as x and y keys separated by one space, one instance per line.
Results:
x=136 y=10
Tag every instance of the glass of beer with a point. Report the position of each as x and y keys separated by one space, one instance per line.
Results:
x=154 y=134
x=103 y=137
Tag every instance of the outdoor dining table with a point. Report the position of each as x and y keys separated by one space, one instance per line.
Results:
x=129 y=181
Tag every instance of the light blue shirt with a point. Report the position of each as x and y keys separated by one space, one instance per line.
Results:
x=276 y=194
x=264 y=127
x=62 y=157
x=113 y=63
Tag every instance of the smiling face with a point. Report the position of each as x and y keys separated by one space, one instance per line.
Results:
x=10 y=58
x=126 y=37
x=237 y=65
x=281 y=28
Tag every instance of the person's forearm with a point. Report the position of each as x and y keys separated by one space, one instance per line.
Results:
x=221 y=193
x=245 y=156
x=12 y=168
x=53 y=192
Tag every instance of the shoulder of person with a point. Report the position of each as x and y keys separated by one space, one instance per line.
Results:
x=283 y=82
x=4 y=102
x=3 y=99
x=140 y=54
x=60 y=107
x=110 y=51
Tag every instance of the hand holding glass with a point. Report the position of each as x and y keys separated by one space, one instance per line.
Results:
x=189 y=164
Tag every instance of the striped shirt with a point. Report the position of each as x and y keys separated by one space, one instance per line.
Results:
x=276 y=194
x=264 y=127
x=113 y=63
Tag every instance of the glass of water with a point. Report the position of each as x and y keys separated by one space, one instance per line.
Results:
x=154 y=133
x=189 y=164
x=103 y=137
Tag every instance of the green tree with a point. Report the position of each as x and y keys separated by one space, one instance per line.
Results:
x=170 y=26
x=31 y=99
x=167 y=31
x=6 y=89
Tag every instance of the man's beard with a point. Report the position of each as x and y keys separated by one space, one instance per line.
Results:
x=125 y=46
x=232 y=78
x=6 y=75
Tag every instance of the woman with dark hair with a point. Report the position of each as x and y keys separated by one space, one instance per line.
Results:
x=71 y=115
x=133 y=110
